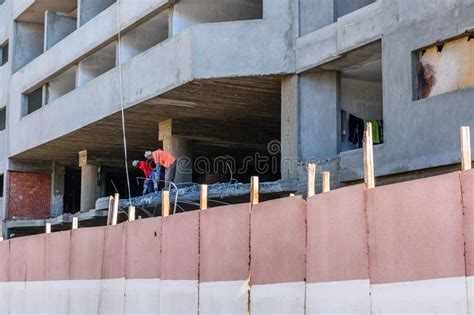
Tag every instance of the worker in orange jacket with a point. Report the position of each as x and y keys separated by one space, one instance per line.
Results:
x=167 y=161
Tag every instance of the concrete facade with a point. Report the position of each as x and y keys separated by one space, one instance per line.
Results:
x=238 y=72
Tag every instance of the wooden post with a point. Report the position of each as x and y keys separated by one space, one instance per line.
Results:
x=75 y=223
x=254 y=194
x=326 y=185
x=139 y=217
x=165 y=203
x=466 y=160
x=369 y=178
x=111 y=209
x=131 y=213
x=203 y=197
x=311 y=179
x=115 y=209
x=48 y=228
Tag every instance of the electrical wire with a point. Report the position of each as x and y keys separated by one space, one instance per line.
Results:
x=119 y=61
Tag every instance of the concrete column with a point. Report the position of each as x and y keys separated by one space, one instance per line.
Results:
x=57 y=190
x=90 y=188
x=181 y=148
x=289 y=128
x=320 y=115
x=186 y=13
x=57 y=26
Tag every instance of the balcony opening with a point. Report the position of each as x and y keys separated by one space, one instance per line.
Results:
x=33 y=101
x=96 y=64
x=344 y=7
x=61 y=85
x=4 y=54
x=3 y=118
x=443 y=68
x=144 y=36
x=39 y=27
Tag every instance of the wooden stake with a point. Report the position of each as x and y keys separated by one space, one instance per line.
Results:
x=131 y=213
x=75 y=223
x=466 y=160
x=311 y=180
x=139 y=217
x=292 y=195
x=254 y=194
x=326 y=182
x=115 y=209
x=203 y=198
x=369 y=178
x=48 y=228
x=111 y=209
x=165 y=203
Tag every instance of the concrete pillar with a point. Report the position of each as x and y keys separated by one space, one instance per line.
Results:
x=289 y=128
x=181 y=148
x=186 y=13
x=57 y=190
x=320 y=115
x=28 y=43
x=314 y=15
x=88 y=9
x=90 y=187
x=57 y=26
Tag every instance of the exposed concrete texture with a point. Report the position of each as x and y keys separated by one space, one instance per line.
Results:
x=60 y=85
x=88 y=9
x=57 y=26
x=289 y=141
x=186 y=13
x=96 y=64
x=144 y=36
x=319 y=115
x=314 y=15
x=28 y=43
x=89 y=188
x=57 y=190
x=182 y=149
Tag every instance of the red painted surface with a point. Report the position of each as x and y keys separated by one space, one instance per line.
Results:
x=87 y=245
x=337 y=236
x=467 y=187
x=17 y=260
x=416 y=230
x=29 y=195
x=278 y=241
x=143 y=259
x=57 y=252
x=180 y=255
x=4 y=256
x=35 y=260
x=113 y=263
x=224 y=244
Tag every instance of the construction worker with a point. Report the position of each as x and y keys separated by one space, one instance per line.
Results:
x=164 y=160
x=149 y=170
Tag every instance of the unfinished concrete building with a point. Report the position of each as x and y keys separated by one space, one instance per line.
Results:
x=228 y=86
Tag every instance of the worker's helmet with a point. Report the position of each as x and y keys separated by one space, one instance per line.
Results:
x=147 y=154
x=135 y=163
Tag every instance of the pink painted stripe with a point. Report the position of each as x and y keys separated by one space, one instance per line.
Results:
x=17 y=260
x=278 y=239
x=113 y=263
x=57 y=252
x=225 y=243
x=416 y=230
x=143 y=259
x=180 y=255
x=87 y=245
x=35 y=260
x=4 y=257
x=467 y=186
x=337 y=236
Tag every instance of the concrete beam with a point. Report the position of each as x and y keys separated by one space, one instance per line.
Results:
x=57 y=26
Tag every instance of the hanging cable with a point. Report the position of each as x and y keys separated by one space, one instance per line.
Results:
x=119 y=61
